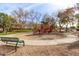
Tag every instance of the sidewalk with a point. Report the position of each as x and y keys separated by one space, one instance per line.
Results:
x=68 y=39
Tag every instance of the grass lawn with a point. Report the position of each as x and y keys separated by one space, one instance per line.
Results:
x=17 y=31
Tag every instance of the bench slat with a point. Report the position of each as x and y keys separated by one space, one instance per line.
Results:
x=10 y=39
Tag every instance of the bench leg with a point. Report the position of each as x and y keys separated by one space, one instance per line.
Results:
x=23 y=43
x=16 y=47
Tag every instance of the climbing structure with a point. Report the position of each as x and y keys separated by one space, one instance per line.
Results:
x=43 y=28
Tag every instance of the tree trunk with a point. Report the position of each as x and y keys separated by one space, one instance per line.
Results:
x=60 y=27
x=78 y=22
x=66 y=27
x=5 y=30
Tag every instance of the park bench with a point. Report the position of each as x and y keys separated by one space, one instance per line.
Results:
x=12 y=39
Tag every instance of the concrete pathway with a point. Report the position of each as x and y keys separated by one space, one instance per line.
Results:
x=68 y=39
x=51 y=42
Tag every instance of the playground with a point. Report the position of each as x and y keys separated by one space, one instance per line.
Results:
x=29 y=32
x=43 y=37
x=38 y=44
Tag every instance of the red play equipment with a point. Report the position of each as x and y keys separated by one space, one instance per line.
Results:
x=43 y=28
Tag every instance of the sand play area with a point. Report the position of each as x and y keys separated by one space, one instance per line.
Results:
x=51 y=44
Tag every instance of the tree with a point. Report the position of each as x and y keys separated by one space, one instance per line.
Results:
x=5 y=22
x=66 y=17
x=20 y=15
x=35 y=18
x=50 y=20
x=11 y=22
x=77 y=16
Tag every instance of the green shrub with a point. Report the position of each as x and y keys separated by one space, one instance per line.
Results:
x=16 y=31
x=73 y=27
x=24 y=30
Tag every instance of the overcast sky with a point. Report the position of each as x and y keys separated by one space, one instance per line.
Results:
x=43 y=8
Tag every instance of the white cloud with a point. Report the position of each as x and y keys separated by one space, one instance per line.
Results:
x=53 y=6
x=32 y=6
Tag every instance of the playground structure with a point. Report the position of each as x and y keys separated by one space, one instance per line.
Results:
x=43 y=28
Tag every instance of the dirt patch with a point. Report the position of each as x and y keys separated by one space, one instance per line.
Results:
x=45 y=50
x=6 y=49
x=40 y=37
